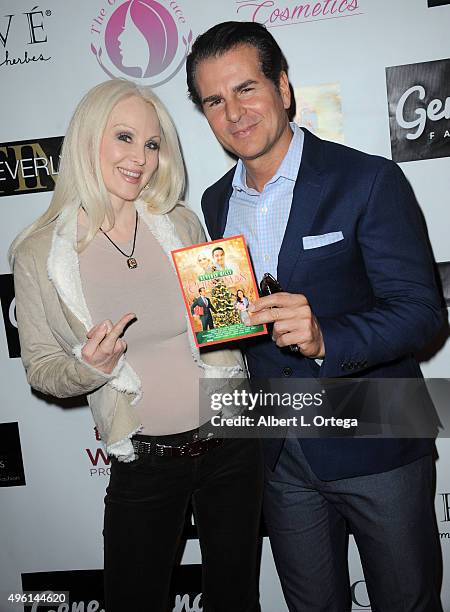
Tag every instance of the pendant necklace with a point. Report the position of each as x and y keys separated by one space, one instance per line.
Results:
x=131 y=261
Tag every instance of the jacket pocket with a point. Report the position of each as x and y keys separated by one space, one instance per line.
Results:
x=327 y=250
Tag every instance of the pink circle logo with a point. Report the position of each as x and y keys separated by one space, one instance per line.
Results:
x=144 y=40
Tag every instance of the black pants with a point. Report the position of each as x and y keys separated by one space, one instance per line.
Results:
x=145 y=508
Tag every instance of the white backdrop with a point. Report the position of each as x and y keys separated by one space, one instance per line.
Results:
x=338 y=64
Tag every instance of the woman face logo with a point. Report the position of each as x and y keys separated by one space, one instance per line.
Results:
x=141 y=38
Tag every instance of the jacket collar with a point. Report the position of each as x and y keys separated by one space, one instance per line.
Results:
x=63 y=266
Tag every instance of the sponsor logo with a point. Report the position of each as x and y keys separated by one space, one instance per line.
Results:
x=186 y=589
x=99 y=460
x=29 y=166
x=446 y=507
x=419 y=110
x=432 y=3
x=445 y=515
x=85 y=588
x=184 y=603
x=360 y=599
x=11 y=464
x=20 y=30
x=8 y=301
x=144 y=40
x=277 y=13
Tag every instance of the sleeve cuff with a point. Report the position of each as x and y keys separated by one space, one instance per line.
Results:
x=76 y=351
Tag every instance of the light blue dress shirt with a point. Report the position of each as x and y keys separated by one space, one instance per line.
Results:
x=262 y=217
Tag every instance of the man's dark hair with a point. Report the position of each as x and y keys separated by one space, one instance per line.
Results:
x=200 y=290
x=217 y=249
x=226 y=36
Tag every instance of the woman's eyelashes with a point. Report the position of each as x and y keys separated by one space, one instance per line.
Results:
x=153 y=145
x=127 y=137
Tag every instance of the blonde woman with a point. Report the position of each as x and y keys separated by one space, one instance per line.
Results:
x=100 y=313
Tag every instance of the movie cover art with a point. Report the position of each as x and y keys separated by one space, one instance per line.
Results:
x=218 y=286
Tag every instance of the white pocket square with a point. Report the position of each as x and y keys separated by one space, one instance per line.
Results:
x=314 y=242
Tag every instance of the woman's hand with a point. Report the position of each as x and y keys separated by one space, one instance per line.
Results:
x=105 y=346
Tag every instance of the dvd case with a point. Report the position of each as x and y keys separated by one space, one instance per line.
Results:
x=218 y=286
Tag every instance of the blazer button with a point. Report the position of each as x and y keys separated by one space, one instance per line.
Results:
x=287 y=371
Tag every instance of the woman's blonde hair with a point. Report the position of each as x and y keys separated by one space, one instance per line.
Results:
x=80 y=181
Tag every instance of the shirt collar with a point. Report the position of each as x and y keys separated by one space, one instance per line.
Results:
x=288 y=168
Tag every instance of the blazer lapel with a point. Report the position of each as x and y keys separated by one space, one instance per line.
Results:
x=222 y=210
x=306 y=201
x=217 y=210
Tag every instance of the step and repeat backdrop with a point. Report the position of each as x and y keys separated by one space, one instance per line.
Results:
x=373 y=74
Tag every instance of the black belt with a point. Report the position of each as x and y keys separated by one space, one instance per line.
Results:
x=194 y=448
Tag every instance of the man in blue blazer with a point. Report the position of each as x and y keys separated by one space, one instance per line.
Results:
x=205 y=303
x=343 y=234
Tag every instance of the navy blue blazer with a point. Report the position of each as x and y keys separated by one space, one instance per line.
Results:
x=373 y=293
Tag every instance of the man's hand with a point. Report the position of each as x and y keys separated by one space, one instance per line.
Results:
x=294 y=322
x=105 y=346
